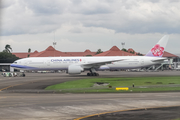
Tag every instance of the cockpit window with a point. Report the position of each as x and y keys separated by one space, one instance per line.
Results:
x=15 y=62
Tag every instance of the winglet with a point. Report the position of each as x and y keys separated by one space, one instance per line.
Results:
x=158 y=49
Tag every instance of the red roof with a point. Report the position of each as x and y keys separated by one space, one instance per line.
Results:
x=167 y=54
x=21 y=55
x=35 y=51
x=115 y=51
x=87 y=50
x=130 y=50
x=24 y=55
x=50 y=52
x=85 y=53
x=115 y=48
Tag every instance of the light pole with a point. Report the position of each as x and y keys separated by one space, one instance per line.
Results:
x=123 y=43
x=54 y=43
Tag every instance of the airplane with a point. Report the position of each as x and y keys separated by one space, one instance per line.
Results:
x=77 y=65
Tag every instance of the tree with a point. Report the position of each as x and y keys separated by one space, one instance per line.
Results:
x=8 y=49
x=139 y=54
x=29 y=50
x=124 y=50
x=6 y=57
x=99 y=51
x=132 y=52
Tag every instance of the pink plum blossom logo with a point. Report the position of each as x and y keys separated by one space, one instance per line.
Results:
x=157 y=50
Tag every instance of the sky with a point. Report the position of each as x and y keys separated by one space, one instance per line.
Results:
x=77 y=25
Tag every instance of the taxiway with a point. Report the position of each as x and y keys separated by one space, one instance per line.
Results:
x=38 y=106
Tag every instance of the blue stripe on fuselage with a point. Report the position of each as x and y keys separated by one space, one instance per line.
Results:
x=22 y=66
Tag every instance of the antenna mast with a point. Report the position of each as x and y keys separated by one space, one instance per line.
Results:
x=54 y=43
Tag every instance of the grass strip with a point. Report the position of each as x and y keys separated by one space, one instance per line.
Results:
x=86 y=85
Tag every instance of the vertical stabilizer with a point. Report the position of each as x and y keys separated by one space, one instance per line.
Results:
x=158 y=49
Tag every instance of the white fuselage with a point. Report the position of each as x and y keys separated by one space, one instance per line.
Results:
x=76 y=65
x=62 y=63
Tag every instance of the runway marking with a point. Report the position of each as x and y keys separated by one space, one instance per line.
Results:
x=18 y=85
x=123 y=111
x=9 y=87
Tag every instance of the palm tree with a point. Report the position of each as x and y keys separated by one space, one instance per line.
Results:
x=8 y=49
x=29 y=50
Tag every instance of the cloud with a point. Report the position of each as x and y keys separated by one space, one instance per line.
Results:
x=141 y=17
x=99 y=23
x=91 y=7
x=6 y=3
x=46 y=7
x=134 y=17
x=90 y=38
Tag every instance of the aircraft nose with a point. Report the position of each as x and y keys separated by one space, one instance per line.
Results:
x=12 y=65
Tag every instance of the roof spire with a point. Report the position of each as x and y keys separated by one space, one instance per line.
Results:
x=50 y=48
x=115 y=48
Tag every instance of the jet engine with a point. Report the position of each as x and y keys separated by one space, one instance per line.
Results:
x=75 y=69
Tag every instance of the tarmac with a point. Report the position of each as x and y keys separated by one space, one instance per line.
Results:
x=21 y=98
x=163 y=113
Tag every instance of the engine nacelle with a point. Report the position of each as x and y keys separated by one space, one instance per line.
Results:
x=75 y=69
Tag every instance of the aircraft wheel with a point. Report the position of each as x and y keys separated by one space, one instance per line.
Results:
x=88 y=74
x=91 y=74
x=95 y=74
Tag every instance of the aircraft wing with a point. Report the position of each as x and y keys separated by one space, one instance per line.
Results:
x=99 y=63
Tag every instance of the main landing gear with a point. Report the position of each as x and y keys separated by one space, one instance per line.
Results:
x=92 y=72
